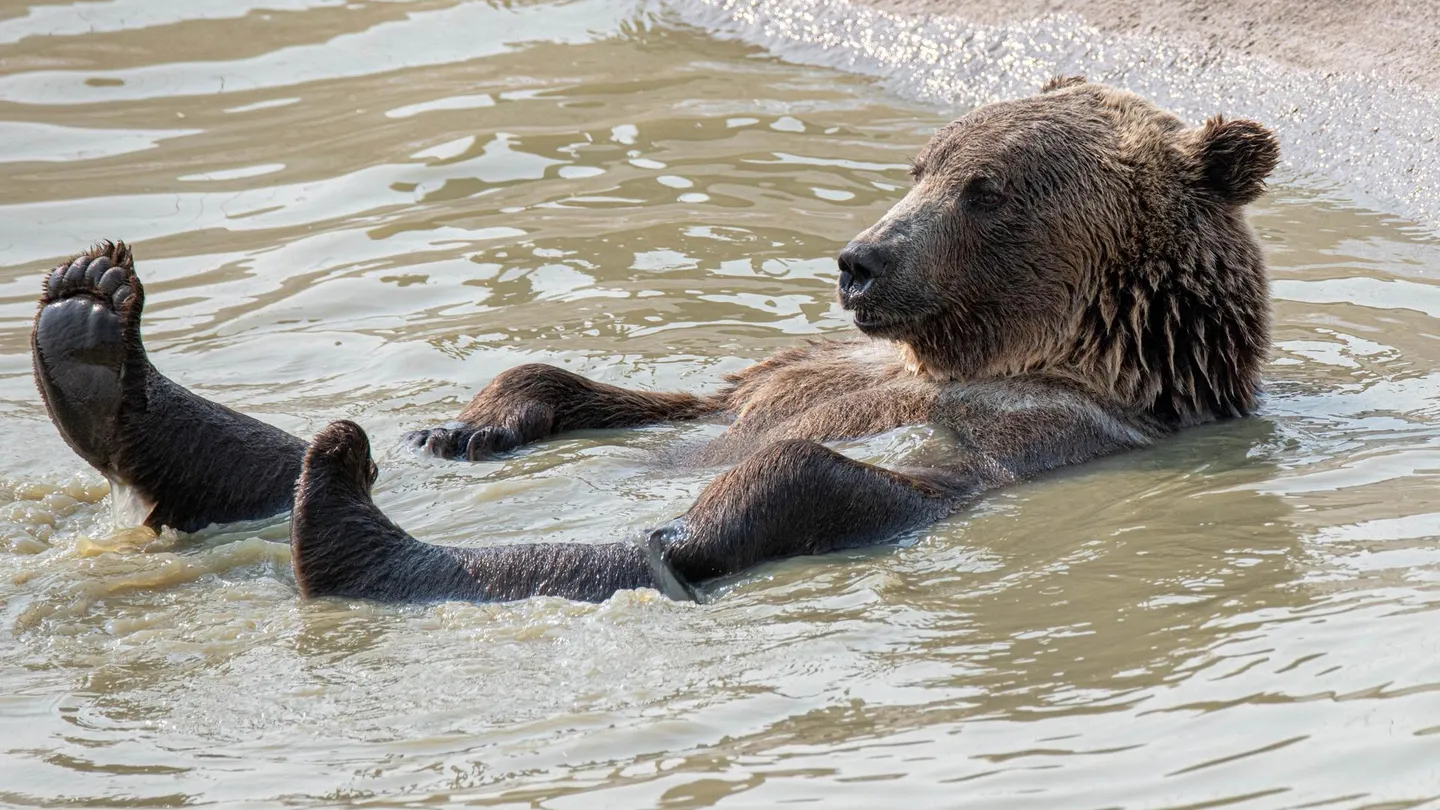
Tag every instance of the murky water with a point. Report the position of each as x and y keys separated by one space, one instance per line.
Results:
x=369 y=209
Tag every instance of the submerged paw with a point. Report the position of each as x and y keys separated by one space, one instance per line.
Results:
x=462 y=442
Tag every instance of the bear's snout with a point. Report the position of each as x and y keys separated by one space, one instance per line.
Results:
x=861 y=263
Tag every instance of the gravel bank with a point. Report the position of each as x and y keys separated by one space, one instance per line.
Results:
x=1352 y=89
x=1399 y=39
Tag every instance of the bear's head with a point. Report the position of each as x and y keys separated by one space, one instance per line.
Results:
x=1082 y=233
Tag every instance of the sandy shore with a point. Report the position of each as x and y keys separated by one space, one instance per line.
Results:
x=1351 y=88
x=1397 y=38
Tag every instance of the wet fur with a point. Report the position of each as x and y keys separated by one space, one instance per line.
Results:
x=1071 y=276
x=196 y=461
x=1137 y=276
x=1123 y=267
x=343 y=545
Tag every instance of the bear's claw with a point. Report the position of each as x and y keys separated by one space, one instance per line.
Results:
x=457 y=440
x=100 y=272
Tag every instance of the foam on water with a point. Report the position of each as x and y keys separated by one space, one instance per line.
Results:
x=128 y=508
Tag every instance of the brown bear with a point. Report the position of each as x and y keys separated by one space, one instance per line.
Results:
x=1071 y=276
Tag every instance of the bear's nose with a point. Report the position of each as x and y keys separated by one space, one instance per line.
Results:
x=860 y=264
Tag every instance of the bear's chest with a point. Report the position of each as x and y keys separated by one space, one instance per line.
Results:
x=829 y=391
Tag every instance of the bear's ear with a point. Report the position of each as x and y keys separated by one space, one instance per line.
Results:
x=1062 y=82
x=1235 y=157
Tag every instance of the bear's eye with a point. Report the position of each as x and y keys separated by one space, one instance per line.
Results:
x=984 y=193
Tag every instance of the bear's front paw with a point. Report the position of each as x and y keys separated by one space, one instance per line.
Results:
x=462 y=442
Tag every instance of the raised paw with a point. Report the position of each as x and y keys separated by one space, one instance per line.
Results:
x=340 y=542
x=99 y=272
x=462 y=442
x=86 y=346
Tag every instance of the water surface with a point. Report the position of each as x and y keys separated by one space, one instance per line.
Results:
x=367 y=210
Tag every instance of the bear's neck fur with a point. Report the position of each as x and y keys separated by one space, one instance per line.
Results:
x=1180 y=336
x=1177 y=333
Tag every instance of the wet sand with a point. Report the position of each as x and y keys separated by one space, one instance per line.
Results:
x=1398 y=39
x=1352 y=89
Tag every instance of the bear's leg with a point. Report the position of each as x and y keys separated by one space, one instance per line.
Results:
x=535 y=401
x=343 y=545
x=798 y=497
x=187 y=462
x=792 y=498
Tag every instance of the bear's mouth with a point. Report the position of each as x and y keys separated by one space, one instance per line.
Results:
x=874 y=323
